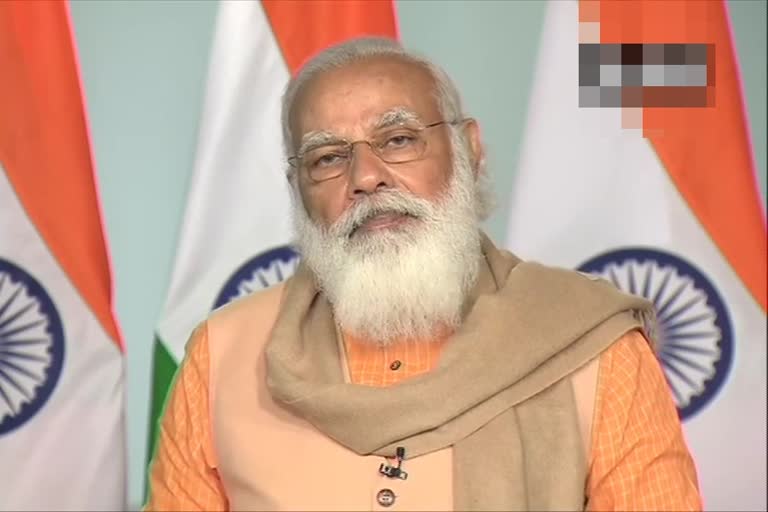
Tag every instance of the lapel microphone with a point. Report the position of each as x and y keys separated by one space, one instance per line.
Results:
x=395 y=471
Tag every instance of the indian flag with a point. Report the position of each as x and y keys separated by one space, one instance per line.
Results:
x=236 y=231
x=62 y=442
x=637 y=166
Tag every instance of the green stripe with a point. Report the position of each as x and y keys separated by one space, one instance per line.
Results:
x=164 y=369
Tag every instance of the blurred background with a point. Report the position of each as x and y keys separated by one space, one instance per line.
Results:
x=144 y=68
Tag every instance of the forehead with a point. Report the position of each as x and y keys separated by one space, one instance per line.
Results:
x=351 y=99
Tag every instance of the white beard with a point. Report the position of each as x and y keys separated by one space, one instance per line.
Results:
x=408 y=282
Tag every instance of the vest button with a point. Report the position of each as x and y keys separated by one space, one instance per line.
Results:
x=385 y=497
x=396 y=364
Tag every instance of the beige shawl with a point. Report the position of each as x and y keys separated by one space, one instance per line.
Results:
x=499 y=396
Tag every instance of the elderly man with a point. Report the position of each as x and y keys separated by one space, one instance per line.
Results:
x=410 y=364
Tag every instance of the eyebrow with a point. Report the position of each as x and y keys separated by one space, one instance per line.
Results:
x=393 y=117
x=315 y=139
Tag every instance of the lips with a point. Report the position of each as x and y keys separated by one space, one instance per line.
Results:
x=384 y=220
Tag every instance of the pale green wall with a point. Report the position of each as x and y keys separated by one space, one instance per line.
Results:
x=144 y=67
x=748 y=18
x=489 y=48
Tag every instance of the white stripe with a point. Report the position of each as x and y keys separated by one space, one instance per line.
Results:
x=238 y=204
x=585 y=186
x=71 y=454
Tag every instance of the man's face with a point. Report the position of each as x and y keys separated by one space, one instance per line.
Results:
x=358 y=102
x=395 y=247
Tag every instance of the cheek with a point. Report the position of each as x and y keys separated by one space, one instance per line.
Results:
x=429 y=180
x=324 y=204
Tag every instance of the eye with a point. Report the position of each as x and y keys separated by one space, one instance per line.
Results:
x=328 y=160
x=399 y=140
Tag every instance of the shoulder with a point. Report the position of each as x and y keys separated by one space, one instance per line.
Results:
x=242 y=325
x=628 y=357
x=249 y=310
x=623 y=364
x=631 y=385
x=568 y=283
x=618 y=363
x=567 y=287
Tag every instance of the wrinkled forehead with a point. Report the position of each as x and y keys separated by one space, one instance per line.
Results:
x=360 y=97
x=399 y=117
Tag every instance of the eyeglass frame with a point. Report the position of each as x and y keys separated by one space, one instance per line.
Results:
x=295 y=160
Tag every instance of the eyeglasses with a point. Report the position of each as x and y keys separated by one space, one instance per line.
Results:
x=398 y=145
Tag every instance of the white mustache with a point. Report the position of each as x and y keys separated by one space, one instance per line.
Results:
x=387 y=202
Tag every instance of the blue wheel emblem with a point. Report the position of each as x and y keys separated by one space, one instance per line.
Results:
x=261 y=271
x=695 y=337
x=31 y=346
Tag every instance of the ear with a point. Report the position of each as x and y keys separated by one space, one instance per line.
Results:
x=477 y=151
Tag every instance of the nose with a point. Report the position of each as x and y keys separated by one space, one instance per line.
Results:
x=368 y=174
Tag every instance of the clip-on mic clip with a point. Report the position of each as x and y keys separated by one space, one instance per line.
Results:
x=395 y=471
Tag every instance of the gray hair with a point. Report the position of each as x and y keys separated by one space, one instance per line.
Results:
x=354 y=50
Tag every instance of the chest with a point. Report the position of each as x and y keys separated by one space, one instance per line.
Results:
x=271 y=460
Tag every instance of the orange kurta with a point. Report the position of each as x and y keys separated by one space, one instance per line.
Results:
x=638 y=458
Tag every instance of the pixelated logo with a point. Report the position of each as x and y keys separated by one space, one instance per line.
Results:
x=646 y=75
x=694 y=336
x=260 y=272
x=31 y=346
